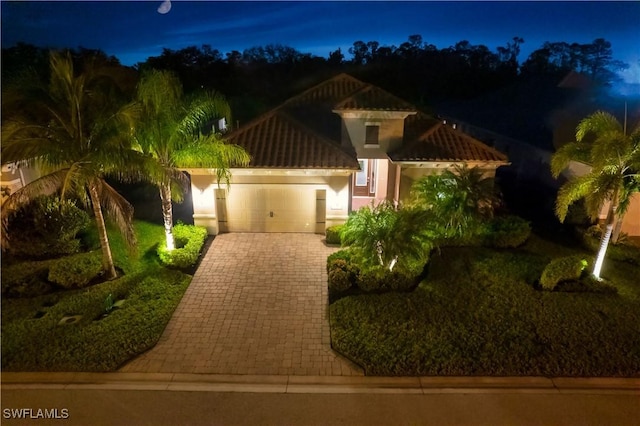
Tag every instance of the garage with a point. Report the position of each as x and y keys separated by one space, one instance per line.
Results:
x=271 y=208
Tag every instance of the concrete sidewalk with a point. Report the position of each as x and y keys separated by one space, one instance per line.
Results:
x=317 y=384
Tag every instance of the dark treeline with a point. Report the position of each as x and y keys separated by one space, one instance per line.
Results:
x=262 y=76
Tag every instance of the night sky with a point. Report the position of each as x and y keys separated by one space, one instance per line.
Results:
x=133 y=31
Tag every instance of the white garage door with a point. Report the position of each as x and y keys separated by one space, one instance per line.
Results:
x=271 y=208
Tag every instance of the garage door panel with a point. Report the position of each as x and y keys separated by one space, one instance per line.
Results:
x=269 y=208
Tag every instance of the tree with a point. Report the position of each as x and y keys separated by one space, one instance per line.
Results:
x=614 y=156
x=174 y=131
x=76 y=129
x=460 y=199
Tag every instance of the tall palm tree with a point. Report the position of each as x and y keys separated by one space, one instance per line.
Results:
x=76 y=130
x=614 y=155
x=460 y=198
x=173 y=131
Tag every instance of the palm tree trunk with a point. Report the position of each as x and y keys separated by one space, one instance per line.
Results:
x=107 y=259
x=606 y=235
x=617 y=230
x=167 y=214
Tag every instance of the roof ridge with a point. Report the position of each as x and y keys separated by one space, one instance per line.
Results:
x=316 y=135
x=342 y=75
x=370 y=87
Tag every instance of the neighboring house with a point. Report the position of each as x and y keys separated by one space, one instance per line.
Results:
x=631 y=219
x=14 y=176
x=334 y=148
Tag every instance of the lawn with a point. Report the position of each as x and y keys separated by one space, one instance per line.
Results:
x=33 y=340
x=479 y=312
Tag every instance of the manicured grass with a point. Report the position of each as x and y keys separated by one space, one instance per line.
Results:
x=32 y=340
x=479 y=313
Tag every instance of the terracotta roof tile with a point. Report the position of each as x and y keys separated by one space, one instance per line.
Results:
x=304 y=132
x=373 y=98
x=442 y=143
x=328 y=92
x=277 y=140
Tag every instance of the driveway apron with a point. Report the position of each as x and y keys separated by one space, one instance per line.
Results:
x=256 y=305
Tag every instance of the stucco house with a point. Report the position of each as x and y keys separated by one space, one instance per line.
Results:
x=332 y=149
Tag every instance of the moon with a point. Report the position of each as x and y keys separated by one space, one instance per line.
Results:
x=165 y=7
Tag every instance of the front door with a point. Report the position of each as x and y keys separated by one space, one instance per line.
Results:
x=364 y=181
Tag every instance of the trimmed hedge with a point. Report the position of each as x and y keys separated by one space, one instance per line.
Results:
x=333 y=234
x=383 y=280
x=76 y=271
x=189 y=240
x=562 y=269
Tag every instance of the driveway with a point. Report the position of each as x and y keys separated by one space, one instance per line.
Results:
x=256 y=305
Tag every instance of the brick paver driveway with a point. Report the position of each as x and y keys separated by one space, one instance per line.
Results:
x=256 y=305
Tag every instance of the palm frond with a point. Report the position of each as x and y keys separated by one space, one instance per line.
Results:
x=597 y=123
x=118 y=209
x=213 y=153
x=565 y=154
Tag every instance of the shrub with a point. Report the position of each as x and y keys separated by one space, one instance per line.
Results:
x=47 y=227
x=189 y=241
x=506 y=232
x=342 y=275
x=344 y=255
x=28 y=279
x=623 y=252
x=381 y=280
x=333 y=234
x=562 y=269
x=76 y=271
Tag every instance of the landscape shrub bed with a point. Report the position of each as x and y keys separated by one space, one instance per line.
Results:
x=507 y=231
x=590 y=239
x=76 y=271
x=46 y=227
x=333 y=234
x=26 y=279
x=478 y=312
x=103 y=339
x=345 y=276
x=189 y=240
x=90 y=344
x=569 y=268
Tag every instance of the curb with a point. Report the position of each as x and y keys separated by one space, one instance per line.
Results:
x=317 y=384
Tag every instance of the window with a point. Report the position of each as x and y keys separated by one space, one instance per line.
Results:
x=372 y=134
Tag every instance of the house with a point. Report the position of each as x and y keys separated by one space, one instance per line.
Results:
x=332 y=149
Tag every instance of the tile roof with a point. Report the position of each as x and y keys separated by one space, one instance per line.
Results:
x=427 y=139
x=373 y=98
x=277 y=140
x=305 y=132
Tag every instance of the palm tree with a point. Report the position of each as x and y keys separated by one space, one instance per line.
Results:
x=76 y=130
x=614 y=156
x=386 y=236
x=173 y=132
x=461 y=199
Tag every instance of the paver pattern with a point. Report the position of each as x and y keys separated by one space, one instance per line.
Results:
x=256 y=305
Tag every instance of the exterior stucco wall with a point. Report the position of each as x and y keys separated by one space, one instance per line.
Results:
x=389 y=137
